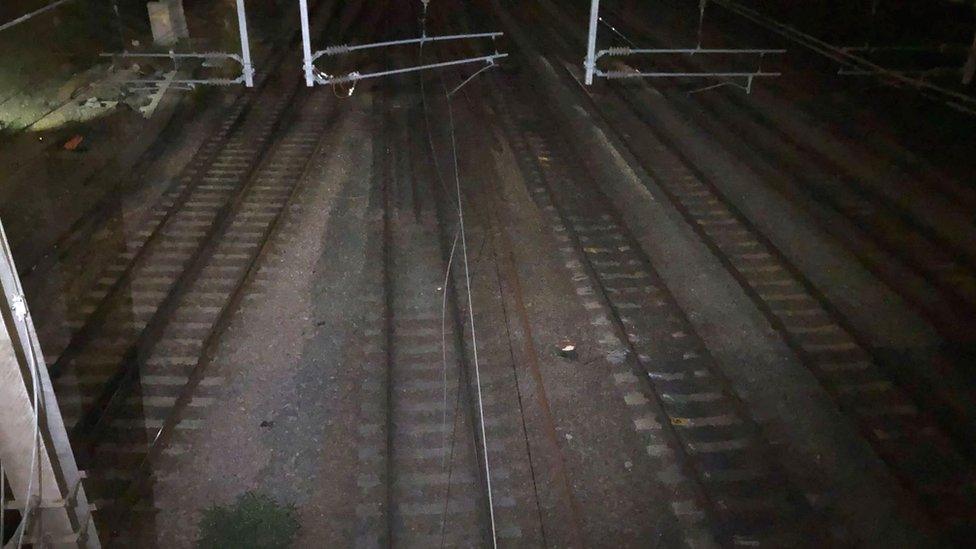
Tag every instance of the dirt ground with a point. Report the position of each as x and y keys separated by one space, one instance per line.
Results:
x=577 y=388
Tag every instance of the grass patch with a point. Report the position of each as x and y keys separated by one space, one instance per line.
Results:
x=252 y=521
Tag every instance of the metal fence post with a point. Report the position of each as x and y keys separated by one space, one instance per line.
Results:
x=591 y=42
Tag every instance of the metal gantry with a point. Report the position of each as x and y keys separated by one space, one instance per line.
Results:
x=18 y=20
x=853 y=63
x=315 y=76
x=244 y=59
x=593 y=55
x=36 y=460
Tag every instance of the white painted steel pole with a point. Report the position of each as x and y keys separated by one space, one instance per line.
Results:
x=245 y=45
x=306 y=45
x=591 y=42
x=41 y=471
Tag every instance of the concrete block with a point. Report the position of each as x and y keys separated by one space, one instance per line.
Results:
x=167 y=21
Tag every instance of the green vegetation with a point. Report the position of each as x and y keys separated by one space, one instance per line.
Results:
x=252 y=521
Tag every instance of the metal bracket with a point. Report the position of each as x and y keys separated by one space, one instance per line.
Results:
x=244 y=59
x=593 y=55
x=246 y=77
x=333 y=51
x=946 y=50
x=958 y=100
x=749 y=76
x=314 y=76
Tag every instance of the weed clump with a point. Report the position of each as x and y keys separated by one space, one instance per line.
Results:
x=252 y=521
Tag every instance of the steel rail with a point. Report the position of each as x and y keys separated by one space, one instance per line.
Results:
x=921 y=431
x=234 y=297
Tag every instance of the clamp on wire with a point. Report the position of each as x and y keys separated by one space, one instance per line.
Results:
x=18 y=306
x=336 y=83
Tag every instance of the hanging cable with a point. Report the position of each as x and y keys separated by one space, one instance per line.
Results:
x=490 y=65
x=474 y=335
x=20 y=311
x=701 y=20
x=447 y=280
x=467 y=277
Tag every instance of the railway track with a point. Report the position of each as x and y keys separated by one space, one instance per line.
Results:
x=98 y=249
x=442 y=451
x=441 y=457
x=879 y=216
x=894 y=227
x=170 y=388
x=133 y=375
x=712 y=454
x=421 y=460
x=905 y=434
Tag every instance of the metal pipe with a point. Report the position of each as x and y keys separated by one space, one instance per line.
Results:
x=354 y=77
x=969 y=69
x=245 y=45
x=306 y=45
x=954 y=99
x=202 y=82
x=590 y=63
x=25 y=17
x=58 y=501
x=591 y=42
x=702 y=50
x=174 y=55
x=622 y=74
x=338 y=50
x=934 y=48
x=690 y=51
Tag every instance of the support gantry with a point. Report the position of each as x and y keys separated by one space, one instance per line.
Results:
x=36 y=460
x=593 y=55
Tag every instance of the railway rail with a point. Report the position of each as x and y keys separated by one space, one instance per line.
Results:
x=433 y=491
x=926 y=259
x=446 y=453
x=132 y=375
x=722 y=474
x=431 y=406
x=929 y=459
x=713 y=453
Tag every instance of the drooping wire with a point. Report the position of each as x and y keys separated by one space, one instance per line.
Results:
x=35 y=443
x=467 y=276
x=474 y=335
x=702 y=4
x=490 y=65
x=614 y=30
x=448 y=461
x=447 y=279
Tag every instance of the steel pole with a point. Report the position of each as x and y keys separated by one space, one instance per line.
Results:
x=306 y=45
x=591 y=42
x=245 y=45
x=41 y=471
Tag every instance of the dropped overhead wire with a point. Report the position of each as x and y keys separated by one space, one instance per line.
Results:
x=467 y=274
